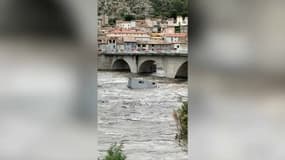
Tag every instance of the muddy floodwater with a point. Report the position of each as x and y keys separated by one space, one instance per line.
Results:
x=139 y=118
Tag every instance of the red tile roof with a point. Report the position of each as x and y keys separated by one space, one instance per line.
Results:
x=175 y=35
x=129 y=39
x=154 y=42
x=127 y=32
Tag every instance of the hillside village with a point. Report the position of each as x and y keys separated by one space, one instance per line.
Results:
x=149 y=35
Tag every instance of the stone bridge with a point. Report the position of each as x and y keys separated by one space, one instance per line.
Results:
x=171 y=65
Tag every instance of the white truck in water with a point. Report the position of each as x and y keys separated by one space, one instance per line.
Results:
x=138 y=83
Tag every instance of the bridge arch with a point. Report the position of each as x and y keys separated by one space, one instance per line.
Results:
x=121 y=65
x=148 y=66
x=182 y=71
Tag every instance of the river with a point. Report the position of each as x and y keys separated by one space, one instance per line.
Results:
x=141 y=119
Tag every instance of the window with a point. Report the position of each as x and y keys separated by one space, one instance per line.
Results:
x=141 y=82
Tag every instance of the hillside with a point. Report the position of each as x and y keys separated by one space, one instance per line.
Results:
x=138 y=9
x=120 y=8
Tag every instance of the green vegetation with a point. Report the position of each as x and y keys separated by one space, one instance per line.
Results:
x=140 y=9
x=112 y=21
x=120 y=8
x=129 y=17
x=169 y=8
x=115 y=152
x=181 y=118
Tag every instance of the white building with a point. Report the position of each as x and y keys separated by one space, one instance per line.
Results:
x=179 y=21
x=125 y=24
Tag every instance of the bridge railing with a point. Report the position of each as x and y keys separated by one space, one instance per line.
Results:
x=145 y=52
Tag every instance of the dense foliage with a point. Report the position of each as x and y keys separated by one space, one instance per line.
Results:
x=123 y=9
x=169 y=8
x=129 y=17
x=115 y=152
x=181 y=118
x=139 y=9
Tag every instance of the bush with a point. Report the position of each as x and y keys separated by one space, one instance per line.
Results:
x=129 y=17
x=115 y=152
x=181 y=118
x=169 y=8
x=112 y=21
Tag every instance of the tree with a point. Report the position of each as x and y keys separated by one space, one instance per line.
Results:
x=112 y=21
x=120 y=8
x=129 y=17
x=169 y=8
x=160 y=8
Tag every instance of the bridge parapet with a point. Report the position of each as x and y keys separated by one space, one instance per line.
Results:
x=177 y=54
x=145 y=51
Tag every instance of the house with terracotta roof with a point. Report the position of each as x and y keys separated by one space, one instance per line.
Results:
x=169 y=30
x=132 y=33
x=156 y=36
x=153 y=25
x=141 y=23
x=175 y=37
x=148 y=35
